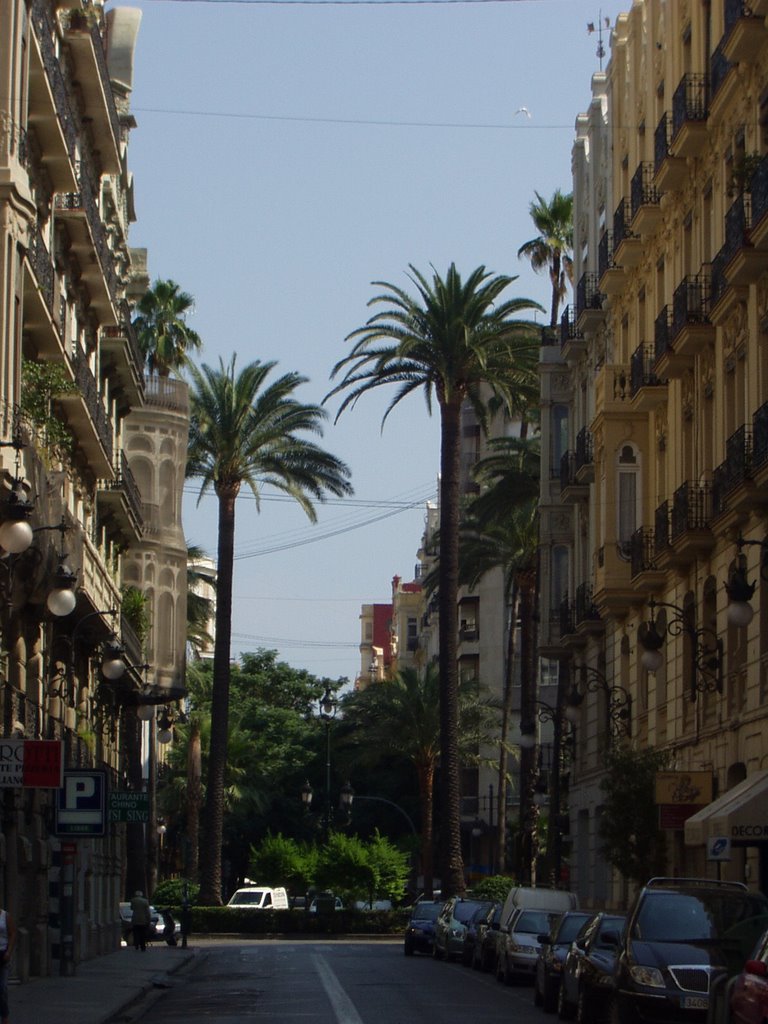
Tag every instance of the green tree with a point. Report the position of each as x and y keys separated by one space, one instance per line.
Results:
x=244 y=429
x=278 y=860
x=164 y=336
x=501 y=532
x=344 y=867
x=551 y=250
x=629 y=824
x=401 y=716
x=389 y=867
x=455 y=341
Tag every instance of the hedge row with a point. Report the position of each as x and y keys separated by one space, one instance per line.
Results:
x=213 y=920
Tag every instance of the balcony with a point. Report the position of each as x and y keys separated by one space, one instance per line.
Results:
x=572 y=343
x=670 y=171
x=667 y=362
x=646 y=200
x=119 y=501
x=611 y=275
x=760 y=441
x=80 y=212
x=645 y=574
x=571 y=491
x=589 y=303
x=90 y=67
x=732 y=490
x=587 y=616
x=88 y=419
x=40 y=319
x=585 y=464
x=646 y=387
x=627 y=247
x=690 y=110
x=746 y=263
x=612 y=593
x=723 y=84
x=569 y=635
x=758 y=190
x=745 y=33
x=50 y=111
x=689 y=522
x=121 y=358
x=692 y=330
x=550 y=642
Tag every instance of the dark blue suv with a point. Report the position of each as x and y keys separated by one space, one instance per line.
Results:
x=681 y=935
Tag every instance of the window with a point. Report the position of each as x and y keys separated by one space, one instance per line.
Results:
x=559 y=435
x=628 y=489
x=559 y=574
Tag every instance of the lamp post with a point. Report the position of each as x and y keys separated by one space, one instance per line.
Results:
x=740 y=591
x=618 y=706
x=704 y=645
x=541 y=712
x=328 y=709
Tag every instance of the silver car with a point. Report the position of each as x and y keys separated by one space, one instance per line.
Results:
x=519 y=946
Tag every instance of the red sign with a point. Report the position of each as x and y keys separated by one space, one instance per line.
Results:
x=43 y=764
x=674 y=816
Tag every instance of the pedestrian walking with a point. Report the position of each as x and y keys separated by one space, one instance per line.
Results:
x=140 y=920
x=7 y=943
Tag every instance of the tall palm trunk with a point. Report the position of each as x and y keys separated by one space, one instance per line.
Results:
x=528 y=715
x=506 y=715
x=554 y=276
x=426 y=776
x=452 y=867
x=210 y=877
x=194 y=797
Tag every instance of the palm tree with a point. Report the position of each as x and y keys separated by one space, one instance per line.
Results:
x=501 y=532
x=401 y=716
x=164 y=337
x=450 y=341
x=552 y=248
x=246 y=430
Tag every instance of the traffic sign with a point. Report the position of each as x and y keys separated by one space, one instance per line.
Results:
x=81 y=804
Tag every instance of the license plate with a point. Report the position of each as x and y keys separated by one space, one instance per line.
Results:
x=695 y=1003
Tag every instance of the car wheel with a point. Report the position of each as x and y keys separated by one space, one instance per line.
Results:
x=582 y=1007
x=549 y=997
x=538 y=999
x=436 y=954
x=564 y=1008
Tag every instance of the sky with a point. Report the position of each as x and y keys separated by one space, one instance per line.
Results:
x=286 y=156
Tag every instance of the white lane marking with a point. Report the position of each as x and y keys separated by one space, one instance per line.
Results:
x=342 y=1005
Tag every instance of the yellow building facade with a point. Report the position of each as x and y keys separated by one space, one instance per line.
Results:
x=656 y=399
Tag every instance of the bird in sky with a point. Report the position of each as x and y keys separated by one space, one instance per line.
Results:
x=523 y=110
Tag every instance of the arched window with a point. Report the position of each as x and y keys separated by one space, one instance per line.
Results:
x=628 y=490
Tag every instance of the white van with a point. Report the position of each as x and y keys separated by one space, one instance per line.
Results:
x=527 y=913
x=259 y=897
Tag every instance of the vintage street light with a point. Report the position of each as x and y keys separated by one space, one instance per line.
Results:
x=740 y=591
x=705 y=647
x=618 y=703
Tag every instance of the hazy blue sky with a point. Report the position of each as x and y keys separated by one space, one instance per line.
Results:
x=288 y=154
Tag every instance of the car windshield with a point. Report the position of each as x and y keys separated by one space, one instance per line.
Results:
x=570 y=926
x=425 y=912
x=246 y=899
x=700 y=917
x=464 y=911
x=534 y=921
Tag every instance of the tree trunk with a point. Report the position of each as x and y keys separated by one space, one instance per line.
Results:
x=528 y=714
x=426 y=777
x=452 y=866
x=213 y=820
x=506 y=714
x=194 y=797
x=555 y=278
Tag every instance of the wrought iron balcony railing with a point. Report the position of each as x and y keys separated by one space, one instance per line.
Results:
x=662 y=333
x=691 y=508
x=719 y=66
x=568 y=330
x=621 y=221
x=642 y=550
x=605 y=260
x=642 y=190
x=588 y=294
x=690 y=302
x=584 y=448
x=641 y=368
x=662 y=138
x=690 y=101
x=758 y=189
x=585 y=609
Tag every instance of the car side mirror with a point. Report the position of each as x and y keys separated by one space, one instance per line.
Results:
x=757 y=967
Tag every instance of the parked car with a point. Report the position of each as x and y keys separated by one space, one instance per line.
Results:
x=749 y=995
x=373 y=905
x=451 y=926
x=549 y=963
x=420 y=930
x=519 y=945
x=475 y=925
x=586 y=984
x=487 y=942
x=325 y=901
x=680 y=935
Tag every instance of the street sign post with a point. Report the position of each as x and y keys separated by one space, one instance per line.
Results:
x=81 y=805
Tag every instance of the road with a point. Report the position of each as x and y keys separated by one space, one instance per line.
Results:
x=340 y=982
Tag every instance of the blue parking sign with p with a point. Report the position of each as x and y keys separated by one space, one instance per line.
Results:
x=81 y=804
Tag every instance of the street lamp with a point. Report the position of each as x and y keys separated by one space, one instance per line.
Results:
x=705 y=647
x=740 y=591
x=618 y=704
x=529 y=783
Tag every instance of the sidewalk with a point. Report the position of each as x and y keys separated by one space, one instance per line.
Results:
x=101 y=988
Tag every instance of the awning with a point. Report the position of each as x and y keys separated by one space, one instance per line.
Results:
x=741 y=814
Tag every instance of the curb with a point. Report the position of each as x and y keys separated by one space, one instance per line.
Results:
x=146 y=997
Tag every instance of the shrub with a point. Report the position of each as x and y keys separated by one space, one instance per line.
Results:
x=170 y=892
